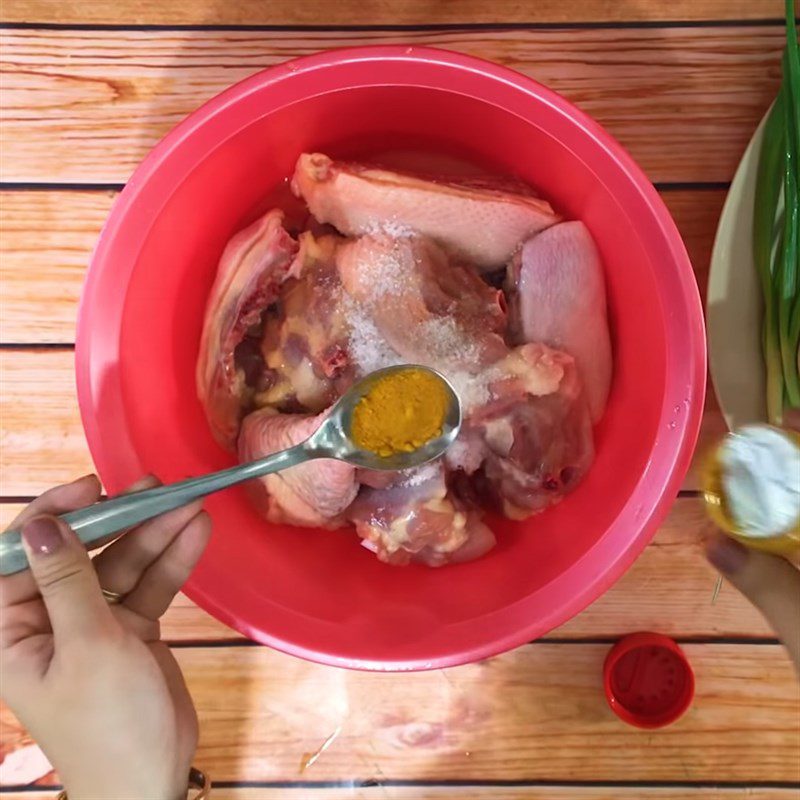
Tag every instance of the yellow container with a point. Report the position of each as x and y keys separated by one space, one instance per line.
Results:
x=717 y=506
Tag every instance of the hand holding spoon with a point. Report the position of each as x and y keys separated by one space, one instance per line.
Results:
x=97 y=523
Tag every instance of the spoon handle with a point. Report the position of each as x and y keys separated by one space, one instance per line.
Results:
x=100 y=521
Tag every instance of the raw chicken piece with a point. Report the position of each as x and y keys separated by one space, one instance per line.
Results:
x=417 y=521
x=314 y=494
x=531 y=442
x=562 y=302
x=303 y=354
x=481 y=225
x=252 y=268
x=429 y=310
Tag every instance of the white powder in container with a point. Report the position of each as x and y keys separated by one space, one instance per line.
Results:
x=761 y=480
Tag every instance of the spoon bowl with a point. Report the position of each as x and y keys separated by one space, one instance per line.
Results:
x=333 y=440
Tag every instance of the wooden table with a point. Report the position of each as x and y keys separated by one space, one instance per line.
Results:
x=88 y=87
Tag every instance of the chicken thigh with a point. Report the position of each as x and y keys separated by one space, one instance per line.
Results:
x=314 y=494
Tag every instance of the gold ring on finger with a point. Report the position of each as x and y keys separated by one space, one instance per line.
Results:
x=112 y=598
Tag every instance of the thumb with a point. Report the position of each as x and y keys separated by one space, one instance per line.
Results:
x=65 y=578
x=771 y=583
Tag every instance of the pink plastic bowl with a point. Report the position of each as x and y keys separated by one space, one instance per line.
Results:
x=318 y=594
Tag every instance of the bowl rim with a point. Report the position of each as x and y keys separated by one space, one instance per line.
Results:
x=670 y=456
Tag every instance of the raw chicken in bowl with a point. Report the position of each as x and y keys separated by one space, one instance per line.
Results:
x=315 y=592
x=475 y=277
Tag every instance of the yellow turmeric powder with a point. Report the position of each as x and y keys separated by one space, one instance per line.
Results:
x=400 y=412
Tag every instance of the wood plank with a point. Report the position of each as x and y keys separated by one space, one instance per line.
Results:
x=421 y=792
x=669 y=589
x=528 y=715
x=378 y=12
x=41 y=438
x=47 y=237
x=696 y=213
x=645 y=598
x=383 y=792
x=87 y=105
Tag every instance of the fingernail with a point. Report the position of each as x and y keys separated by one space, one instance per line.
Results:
x=727 y=555
x=42 y=535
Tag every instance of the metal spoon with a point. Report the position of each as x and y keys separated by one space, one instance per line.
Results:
x=97 y=523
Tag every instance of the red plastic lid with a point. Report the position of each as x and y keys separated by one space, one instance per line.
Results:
x=648 y=680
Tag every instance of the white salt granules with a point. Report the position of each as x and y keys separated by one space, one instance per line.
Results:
x=447 y=342
x=420 y=475
x=391 y=227
x=368 y=349
x=473 y=390
x=390 y=278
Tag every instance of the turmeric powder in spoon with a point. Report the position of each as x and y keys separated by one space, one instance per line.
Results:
x=400 y=413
